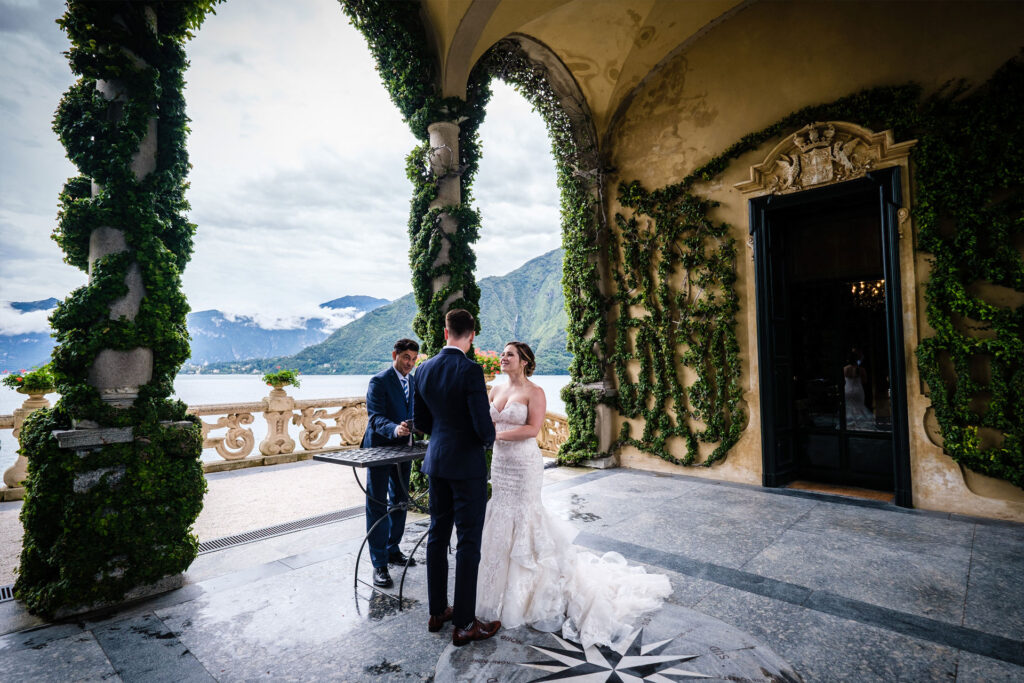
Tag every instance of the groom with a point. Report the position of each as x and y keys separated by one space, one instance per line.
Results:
x=451 y=405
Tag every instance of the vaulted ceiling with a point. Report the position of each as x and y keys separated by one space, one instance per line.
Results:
x=609 y=46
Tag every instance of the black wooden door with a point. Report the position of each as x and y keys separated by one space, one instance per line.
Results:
x=828 y=331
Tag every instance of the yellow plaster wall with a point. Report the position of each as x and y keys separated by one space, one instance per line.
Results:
x=763 y=63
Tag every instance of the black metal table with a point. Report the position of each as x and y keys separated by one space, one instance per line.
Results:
x=375 y=457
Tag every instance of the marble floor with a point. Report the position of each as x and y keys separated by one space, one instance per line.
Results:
x=835 y=588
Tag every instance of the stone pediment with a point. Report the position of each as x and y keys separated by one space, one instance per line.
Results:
x=822 y=153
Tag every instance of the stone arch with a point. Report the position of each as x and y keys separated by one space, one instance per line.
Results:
x=539 y=74
x=561 y=81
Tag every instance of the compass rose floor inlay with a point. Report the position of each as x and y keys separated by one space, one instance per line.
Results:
x=669 y=645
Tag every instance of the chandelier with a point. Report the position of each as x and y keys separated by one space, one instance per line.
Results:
x=868 y=293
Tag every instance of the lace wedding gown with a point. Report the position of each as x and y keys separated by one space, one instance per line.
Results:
x=531 y=573
x=857 y=414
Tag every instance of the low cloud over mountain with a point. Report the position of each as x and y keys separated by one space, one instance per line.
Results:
x=217 y=336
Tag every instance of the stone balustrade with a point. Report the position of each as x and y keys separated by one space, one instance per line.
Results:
x=553 y=433
x=324 y=425
x=319 y=421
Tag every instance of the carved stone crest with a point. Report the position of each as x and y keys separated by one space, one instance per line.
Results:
x=822 y=153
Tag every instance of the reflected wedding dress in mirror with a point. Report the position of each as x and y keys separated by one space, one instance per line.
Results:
x=857 y=414
x=531 y=573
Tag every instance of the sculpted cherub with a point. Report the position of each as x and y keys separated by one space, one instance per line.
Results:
x=789 y=171
x=842 y=153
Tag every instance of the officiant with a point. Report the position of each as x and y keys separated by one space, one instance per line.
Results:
x=389 y=411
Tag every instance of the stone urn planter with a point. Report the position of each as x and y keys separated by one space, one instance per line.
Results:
x=16 y=473
x=36 y=395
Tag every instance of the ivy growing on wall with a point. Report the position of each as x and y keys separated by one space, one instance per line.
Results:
x=101 y=522
x=968 y=171
x=679 y=267
x=674 y=271
x=969 y=210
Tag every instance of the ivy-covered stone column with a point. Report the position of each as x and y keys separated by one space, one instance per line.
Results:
x=114 y=478
x=118 y=374
x=444 y=165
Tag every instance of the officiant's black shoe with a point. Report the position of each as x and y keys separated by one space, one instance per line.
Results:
x=398 y=558
x=436 y=621
x=478 y=630
x=381 y=577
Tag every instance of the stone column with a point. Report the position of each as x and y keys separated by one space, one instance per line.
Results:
x=444 y=164
x=119 y=374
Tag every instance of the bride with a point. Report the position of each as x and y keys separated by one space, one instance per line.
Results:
x=530 y=573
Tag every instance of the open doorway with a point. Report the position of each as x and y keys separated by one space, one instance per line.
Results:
x=830 y=336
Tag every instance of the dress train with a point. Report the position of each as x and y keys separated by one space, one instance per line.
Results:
x=531 y=573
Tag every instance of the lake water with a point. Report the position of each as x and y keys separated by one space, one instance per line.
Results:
x=200 y=389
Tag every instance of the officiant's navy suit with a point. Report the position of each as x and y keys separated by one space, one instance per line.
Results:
x=386 y=406
x=452 y=406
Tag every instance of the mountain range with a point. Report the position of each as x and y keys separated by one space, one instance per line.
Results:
x=216 y=336
x=354 y=334
x=524 y=305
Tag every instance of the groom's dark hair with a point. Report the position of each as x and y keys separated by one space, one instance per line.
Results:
x=459 y=322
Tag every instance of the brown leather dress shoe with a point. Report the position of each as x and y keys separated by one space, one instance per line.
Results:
x=436 y=621
x=479 y=630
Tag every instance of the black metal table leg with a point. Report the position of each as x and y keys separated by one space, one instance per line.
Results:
x=410 y=502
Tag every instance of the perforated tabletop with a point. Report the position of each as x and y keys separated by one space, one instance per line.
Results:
x=378 y=455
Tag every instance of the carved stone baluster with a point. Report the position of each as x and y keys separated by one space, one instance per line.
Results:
x=315 y=433
x=237 y=443
x=352 y=424
x=553 y=433
x=278 y=408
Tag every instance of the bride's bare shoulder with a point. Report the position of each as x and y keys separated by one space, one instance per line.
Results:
x=537 y=393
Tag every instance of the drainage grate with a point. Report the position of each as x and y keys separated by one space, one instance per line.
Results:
x=279 y=529
x=7 y=593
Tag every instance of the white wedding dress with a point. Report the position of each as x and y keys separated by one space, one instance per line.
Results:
x=857 y=414
x=531 y=573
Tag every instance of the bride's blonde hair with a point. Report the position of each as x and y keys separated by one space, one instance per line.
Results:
x=526 y=355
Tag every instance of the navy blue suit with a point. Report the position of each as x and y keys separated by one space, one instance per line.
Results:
x=386 y=407
x=452 y=406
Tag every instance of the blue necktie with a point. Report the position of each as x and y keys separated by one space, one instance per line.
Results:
x=405 y=388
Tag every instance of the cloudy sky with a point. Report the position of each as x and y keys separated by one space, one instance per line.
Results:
x=298 y=186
